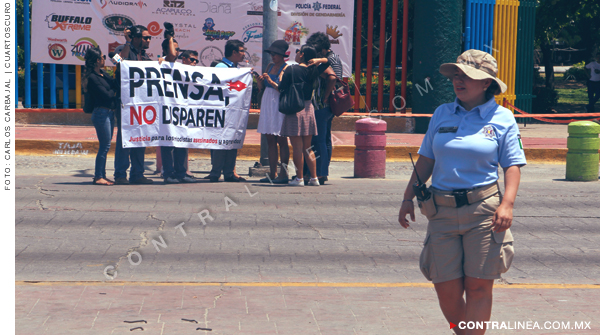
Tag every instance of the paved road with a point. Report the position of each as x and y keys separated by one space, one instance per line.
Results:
x=266 y=243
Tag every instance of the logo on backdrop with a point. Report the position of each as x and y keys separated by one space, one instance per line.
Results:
x=81 y=46
x=116 y=23
x=57 y=51
x=210 y=54
x=215 y=35
x=68 y=22
x=253 y=33
x=257 y=9
x=113 y=46
x=102 y=3
x=215 y=8
x=172 y=7
x=334 y=33
x=295 y=33
x=317 y=6
x=154 y=28
x=140 y=4
x=83 y=2
x=174 y=3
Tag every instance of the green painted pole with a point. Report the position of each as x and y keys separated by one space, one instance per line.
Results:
x=437 y=40
x=583 y=144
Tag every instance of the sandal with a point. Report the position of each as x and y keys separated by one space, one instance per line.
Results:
x=102 y=181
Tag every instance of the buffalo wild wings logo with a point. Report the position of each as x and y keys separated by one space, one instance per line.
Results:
x=68 y=22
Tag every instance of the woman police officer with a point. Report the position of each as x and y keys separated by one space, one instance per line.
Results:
x=468 y=242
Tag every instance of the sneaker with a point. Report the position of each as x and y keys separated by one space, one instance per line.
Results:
x=296 y=182
x=188 y=179
x=313 y=182
x=142 y=180
x=171 y=180
x=121 y=181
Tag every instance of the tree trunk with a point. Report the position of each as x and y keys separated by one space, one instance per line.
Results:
x=548 y=66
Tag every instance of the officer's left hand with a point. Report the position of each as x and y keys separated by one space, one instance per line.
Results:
x=502 y=218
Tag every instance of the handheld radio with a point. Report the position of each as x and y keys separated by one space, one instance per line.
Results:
x=420 y=188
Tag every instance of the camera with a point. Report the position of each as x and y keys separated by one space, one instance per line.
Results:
x=134 y=31
x=169 y=30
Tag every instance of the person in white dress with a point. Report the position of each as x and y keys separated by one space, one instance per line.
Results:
x=270 y=120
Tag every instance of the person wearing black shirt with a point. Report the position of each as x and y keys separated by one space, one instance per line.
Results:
x=301 y=127
x=223 y=160
x=138 y=41
x=101 y=88
x=322 y=143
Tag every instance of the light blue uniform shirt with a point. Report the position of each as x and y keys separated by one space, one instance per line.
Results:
x=469 y=146
x=227 y=62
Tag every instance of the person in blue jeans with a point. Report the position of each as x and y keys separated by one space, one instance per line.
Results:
x=174 y=159
x=138 y=40
x=322 y=144
x=99 y=87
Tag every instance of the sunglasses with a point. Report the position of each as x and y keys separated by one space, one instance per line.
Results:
x=194 y=60
x=242 y=51
x=147 y=38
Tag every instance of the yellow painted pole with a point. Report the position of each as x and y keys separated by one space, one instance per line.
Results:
x=506 y=18
x=78 y=86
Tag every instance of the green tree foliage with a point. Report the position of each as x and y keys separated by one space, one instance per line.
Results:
x=576 y=22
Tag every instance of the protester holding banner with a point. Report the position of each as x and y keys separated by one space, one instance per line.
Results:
x=270 y=120
x=300 y=127
x=223 y=161
x=324 y=86
x=173 y=158
x=138 y=40
x=101 y=89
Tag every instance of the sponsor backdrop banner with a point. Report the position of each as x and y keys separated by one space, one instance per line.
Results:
x=64 y=29
x=184 y=106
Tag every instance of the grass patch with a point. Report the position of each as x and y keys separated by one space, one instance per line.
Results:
x=572 y=96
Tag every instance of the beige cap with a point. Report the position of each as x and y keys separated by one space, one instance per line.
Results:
x=476 y=64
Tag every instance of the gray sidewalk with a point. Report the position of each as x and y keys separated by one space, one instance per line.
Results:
x=267 y=246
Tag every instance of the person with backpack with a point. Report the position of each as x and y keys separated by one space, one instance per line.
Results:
x=223 y=161
x=301 y=126
x=99 y=89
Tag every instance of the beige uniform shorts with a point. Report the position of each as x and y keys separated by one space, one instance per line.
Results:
x=460 y=242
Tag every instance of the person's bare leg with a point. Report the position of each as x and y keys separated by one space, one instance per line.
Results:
x=273 y=157
x=450 y=296
x=158 y=161
x=309 y=155
x=479 y=302
x=297 y=146
x=284 y=154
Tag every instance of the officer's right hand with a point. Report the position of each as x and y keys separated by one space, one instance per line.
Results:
x=408 y=207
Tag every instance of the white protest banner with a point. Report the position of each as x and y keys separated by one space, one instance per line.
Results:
x=172 y=104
